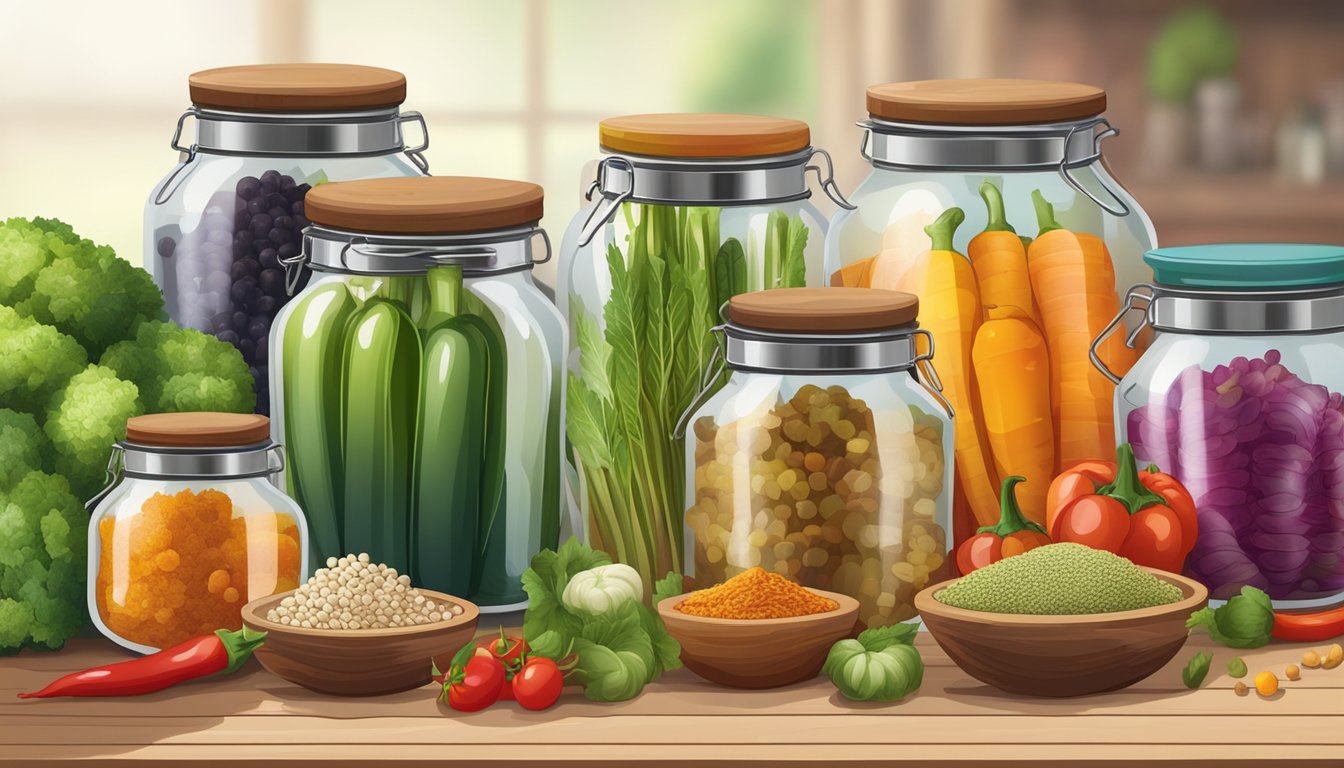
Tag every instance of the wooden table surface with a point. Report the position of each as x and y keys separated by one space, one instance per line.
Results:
x=953 y=721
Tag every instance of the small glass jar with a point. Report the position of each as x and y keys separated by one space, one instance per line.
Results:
x=1240 y=398
x=189 y=529
x=825 y=457
x=219 y=224
x=690 y=210
x=418 y=383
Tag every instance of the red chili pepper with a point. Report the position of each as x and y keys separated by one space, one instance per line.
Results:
x=220 y=653
x=1309 y=627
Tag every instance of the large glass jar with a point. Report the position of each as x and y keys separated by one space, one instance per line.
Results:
x=692 y=209
x=825 y=458
x=1240 y=398
x=1008 y=174
x=418 y=382
x=190 y=529
x=219 y=224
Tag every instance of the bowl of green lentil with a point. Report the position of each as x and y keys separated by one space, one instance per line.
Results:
x=1061 y=620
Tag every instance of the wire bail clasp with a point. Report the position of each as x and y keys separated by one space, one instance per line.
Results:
x=612 y=196
x=167 y=189
x=416 y=153
x=714 y=368
x=924 y=366
x=1132 y=302
x=1122 y=208
x=827 y=179
x=113 y=477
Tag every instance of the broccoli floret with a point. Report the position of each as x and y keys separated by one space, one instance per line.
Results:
x=24 y=251
x=90 y=294
x=43 y=555
x=83 y=422
x=180 y=369
x=22 y=446
x=38 y=360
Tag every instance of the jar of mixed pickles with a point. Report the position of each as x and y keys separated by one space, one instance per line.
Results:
x=1241 y=398
x=418 y=383
x=689 y=210
x=219 y=224
x=827 y=456
x=990 y=200
x=189 y=529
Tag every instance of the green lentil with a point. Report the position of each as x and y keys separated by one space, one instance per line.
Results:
x=1058 y=580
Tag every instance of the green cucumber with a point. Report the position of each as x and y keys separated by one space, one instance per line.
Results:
x=382 y=395
x=313 y=345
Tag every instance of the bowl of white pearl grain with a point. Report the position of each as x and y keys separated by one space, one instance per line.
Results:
x=358 y=628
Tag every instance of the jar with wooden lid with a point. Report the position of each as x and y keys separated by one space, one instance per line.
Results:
x=991 y=200
x=688 y=210
x=189 y=529
x=827 y=455
x=418 y=385
x=217 y=226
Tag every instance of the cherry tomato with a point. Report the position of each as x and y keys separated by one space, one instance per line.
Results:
x=476 y=685
x=538 y=684
x=1099 y=522
x=510 y=650
x=978 y=551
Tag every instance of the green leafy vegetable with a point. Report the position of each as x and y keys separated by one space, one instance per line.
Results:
x=1237 y=667
x=1245 y=621
x=881 y=665
x=641 y=365
x=668 y=586
x=619 y=650
x=1196 y=669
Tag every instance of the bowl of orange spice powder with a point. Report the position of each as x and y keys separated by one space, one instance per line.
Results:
x=758 y=629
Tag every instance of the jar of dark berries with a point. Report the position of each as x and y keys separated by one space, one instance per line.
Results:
x=221 y=225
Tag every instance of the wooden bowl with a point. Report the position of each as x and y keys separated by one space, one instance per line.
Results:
x=359 y=662
x=1062 y=655
x=758 y=653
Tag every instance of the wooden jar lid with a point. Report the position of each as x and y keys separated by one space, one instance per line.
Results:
x=703 y=135
x=985 y=102
x=198 y=429
x=823 y=310
x=297 y=87
x=424 y=205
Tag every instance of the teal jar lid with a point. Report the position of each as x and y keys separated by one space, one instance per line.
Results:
x=1247 y=266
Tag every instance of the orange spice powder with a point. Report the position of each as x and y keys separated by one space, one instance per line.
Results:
x=755 y=594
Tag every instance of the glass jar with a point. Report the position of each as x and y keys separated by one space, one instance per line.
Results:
x=189 y=529
x=217 y=226
x=1239 y=397
x=691 y=210
x=983 y=162
x=825 y=458
x=418 y=386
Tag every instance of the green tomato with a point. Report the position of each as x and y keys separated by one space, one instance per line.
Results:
x=889 y=674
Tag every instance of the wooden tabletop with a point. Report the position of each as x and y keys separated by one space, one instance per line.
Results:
x=681 y=720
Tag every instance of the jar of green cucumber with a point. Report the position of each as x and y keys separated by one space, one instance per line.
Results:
x=827 y=455
x=688 y=210
x=417 y=387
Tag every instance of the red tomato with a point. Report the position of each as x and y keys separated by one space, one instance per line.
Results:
x=978 y=551
x=1072 y=484
x=1099 y=522
x=538 y=684
x=510 y=650
x=1179 y=499
x=1154 y=539
x=477 y=685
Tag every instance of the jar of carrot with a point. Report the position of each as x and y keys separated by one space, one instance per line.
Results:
x=990 y=200
x=189 y=529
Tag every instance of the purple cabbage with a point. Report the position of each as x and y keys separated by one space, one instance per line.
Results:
x=1262 y=452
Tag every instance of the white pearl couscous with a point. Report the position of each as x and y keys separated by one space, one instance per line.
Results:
x=352 y=593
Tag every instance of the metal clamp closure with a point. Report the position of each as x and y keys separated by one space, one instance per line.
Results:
x=709 y=182
x=1061 y=147
x=167 y=188
x=416 y=153
x=1135 y=298
x=160 y=463
x=479 y=254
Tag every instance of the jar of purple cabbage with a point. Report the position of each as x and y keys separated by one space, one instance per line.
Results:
x=1239 y=397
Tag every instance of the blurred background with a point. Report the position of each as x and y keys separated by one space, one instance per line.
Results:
x=1231 y=113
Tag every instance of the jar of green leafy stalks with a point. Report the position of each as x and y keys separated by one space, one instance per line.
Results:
x=688 y=210
x=417 y=387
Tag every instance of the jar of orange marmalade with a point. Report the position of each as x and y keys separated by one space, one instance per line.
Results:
x=189 y=529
